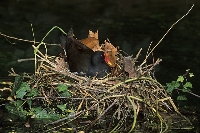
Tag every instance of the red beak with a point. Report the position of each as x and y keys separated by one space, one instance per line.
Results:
x=107 y=60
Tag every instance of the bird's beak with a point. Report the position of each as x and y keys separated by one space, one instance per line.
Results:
x=107 y=60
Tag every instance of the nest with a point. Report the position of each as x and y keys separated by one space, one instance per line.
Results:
x=130 y=99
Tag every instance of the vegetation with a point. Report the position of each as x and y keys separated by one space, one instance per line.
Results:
x=127 y=100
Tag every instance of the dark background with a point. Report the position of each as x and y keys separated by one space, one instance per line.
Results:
x=130 y=24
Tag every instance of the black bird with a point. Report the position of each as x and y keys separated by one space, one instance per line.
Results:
x=80 y=58
x=98 y=66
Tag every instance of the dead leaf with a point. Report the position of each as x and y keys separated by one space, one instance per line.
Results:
x=92 y=41
x=129 y=66
x=60 y=64
x=110 y=52
x=93 y=34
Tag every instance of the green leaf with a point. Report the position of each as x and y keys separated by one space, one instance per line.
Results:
x=53 y=115
x=186 y=87
x=37 y=109
x=22 y=90
x=65 y=94
x=19 y=103
x=32 y=93
x=62 y=107
x=180 y=78
x=17 y=84
x=16 y=110
x=182 y=98
x=20 y=94
x=40 y=113
x=171 y=86
x=62 y=87
x=191 y=74
x=29 y=101
x=10 y=107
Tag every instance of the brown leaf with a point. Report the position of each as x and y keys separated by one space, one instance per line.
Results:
x=60 y=64
x=92 y=41
x=129 y=66
x=110 y=52
x=93 y=34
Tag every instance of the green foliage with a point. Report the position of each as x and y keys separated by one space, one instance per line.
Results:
x=186 y=87
x=180 y=84
x=17 y=84
x=24 y=97
x=64 y=89
x=16 y=110
x=180 y=78
x=62 y=107
x=181 y=98
x=171 y=86
x=23 y=89
x=41 y=113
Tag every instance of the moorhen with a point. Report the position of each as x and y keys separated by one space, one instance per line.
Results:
x=80 y=58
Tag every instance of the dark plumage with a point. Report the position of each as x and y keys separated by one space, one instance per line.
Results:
x=97 y=65
x=80 y=58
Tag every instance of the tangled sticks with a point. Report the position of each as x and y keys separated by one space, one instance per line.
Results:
x=114 y=103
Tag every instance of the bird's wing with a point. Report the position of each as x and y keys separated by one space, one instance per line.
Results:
x=72 y=41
